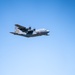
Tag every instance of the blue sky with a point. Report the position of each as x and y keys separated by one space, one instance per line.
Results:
x=45 y=55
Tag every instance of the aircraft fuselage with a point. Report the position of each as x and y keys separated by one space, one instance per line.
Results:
x=38 y=32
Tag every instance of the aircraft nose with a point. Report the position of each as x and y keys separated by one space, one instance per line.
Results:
x=48 y=31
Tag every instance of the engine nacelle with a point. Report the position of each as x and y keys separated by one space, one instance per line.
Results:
x=34 y=29
x=29 y=28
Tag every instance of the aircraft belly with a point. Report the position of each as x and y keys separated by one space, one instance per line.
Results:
x=34 y=35
x=29 y=35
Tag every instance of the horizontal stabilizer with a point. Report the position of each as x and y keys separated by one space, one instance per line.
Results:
x=14 y=33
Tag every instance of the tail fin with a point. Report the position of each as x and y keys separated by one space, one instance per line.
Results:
x=16 y=30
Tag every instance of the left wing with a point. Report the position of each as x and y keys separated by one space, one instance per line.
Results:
x=22 y=28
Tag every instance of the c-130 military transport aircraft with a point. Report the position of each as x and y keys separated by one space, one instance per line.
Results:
x=28 y=32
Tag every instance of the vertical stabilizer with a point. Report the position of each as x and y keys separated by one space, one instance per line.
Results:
x=16 y=30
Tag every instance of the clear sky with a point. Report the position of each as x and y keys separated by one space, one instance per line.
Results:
x=45 y=55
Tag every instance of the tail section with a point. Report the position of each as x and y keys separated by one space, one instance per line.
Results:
x=16 y=30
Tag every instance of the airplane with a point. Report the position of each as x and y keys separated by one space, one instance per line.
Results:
x=28 y=32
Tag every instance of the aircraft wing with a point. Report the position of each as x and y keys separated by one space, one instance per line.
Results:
x=22 y=28
x=19 y=26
